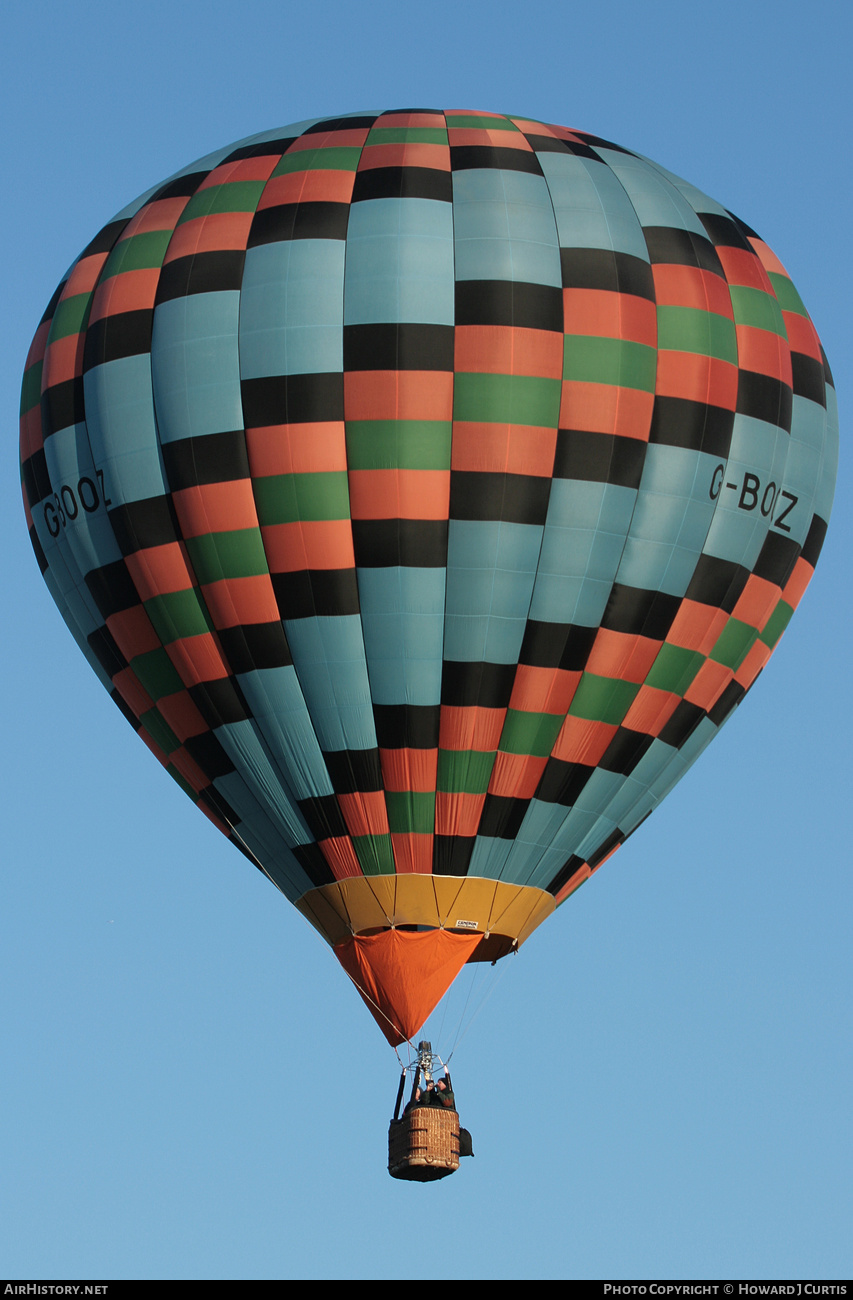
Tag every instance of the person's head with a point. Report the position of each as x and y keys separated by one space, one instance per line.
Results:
x=441 y=1085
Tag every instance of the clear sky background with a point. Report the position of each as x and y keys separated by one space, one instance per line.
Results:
x=659 y=1083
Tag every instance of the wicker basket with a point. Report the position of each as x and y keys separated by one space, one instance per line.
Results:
x=424 y=1144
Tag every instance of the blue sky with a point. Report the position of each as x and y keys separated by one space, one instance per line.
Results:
x=658 y=1085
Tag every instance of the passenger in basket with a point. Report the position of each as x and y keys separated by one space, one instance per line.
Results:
x=434 y=1094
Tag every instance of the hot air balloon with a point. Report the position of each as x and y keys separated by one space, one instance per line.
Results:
x=426 y=489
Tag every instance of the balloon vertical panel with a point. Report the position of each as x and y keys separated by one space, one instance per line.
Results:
x=506 y=407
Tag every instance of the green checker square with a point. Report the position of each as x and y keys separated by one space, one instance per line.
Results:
x=734 y=644
x=337 y=158
x=530 y=733
x=239 y=554
x=686 y=329
x=182 y=782
x=506 y=399
x=399 y=444
x=139 y=253
x=593 y=360
x=776 y=624
x=602 y=699
x=177 y=614
x=375 y=854
x=70 y=317
x=407 y=135
x=410 y=811
x=788 y=298
x=463 y=122
x=464 y=771
x=160 y=731
x=290 y=498
x=238 y=196
x=31 y=387
x=756 y=308
x=157 y=674
x=674 y=668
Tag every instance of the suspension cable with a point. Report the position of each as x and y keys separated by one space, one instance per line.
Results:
x=460 y=1033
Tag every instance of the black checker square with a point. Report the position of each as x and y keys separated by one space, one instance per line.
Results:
x=36 y=478
x=126 y=334
x=680 y=727
x=717 y=582
x=679 y=422
x=777 y=558
x=125 y=710
x=105 y=239
x=474 y=157
x=602 y=268
x=563 y=782
x=638 y=612
x=287 y=221
x=54 y=301
x=324 y=817
x=354 y=770
x=357 y=122
x=212 y=272
x=137 y=525
x=309 y=592
x=599 y=458
x=672 y=246
x=416 y=543
x=262 y=149
x=104 y=648
x=62 y=405
x=726 y=232
x=403 y=183
x=210 y=458
x=601 y=143
x=512 y=498
x=764 y=398
x=252 y=646
x=509 y=303
x=407 y=726
x=403 y=346
x=565 y=874
x=311 y=860
x=38 y=549
x=292 y=399
x=808 y=378
x=550 y=144
x=625 y=751
x=728 y=701
x=557 y=645
x=502 y=817
x=219 y=702
x=206 y=750
x=451 y=854
x=112 y=589
x=614 y=839
x=476 y=684
x=181 y=187
x=813 y=545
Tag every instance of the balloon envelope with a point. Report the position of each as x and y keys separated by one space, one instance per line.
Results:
x=427 y=489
